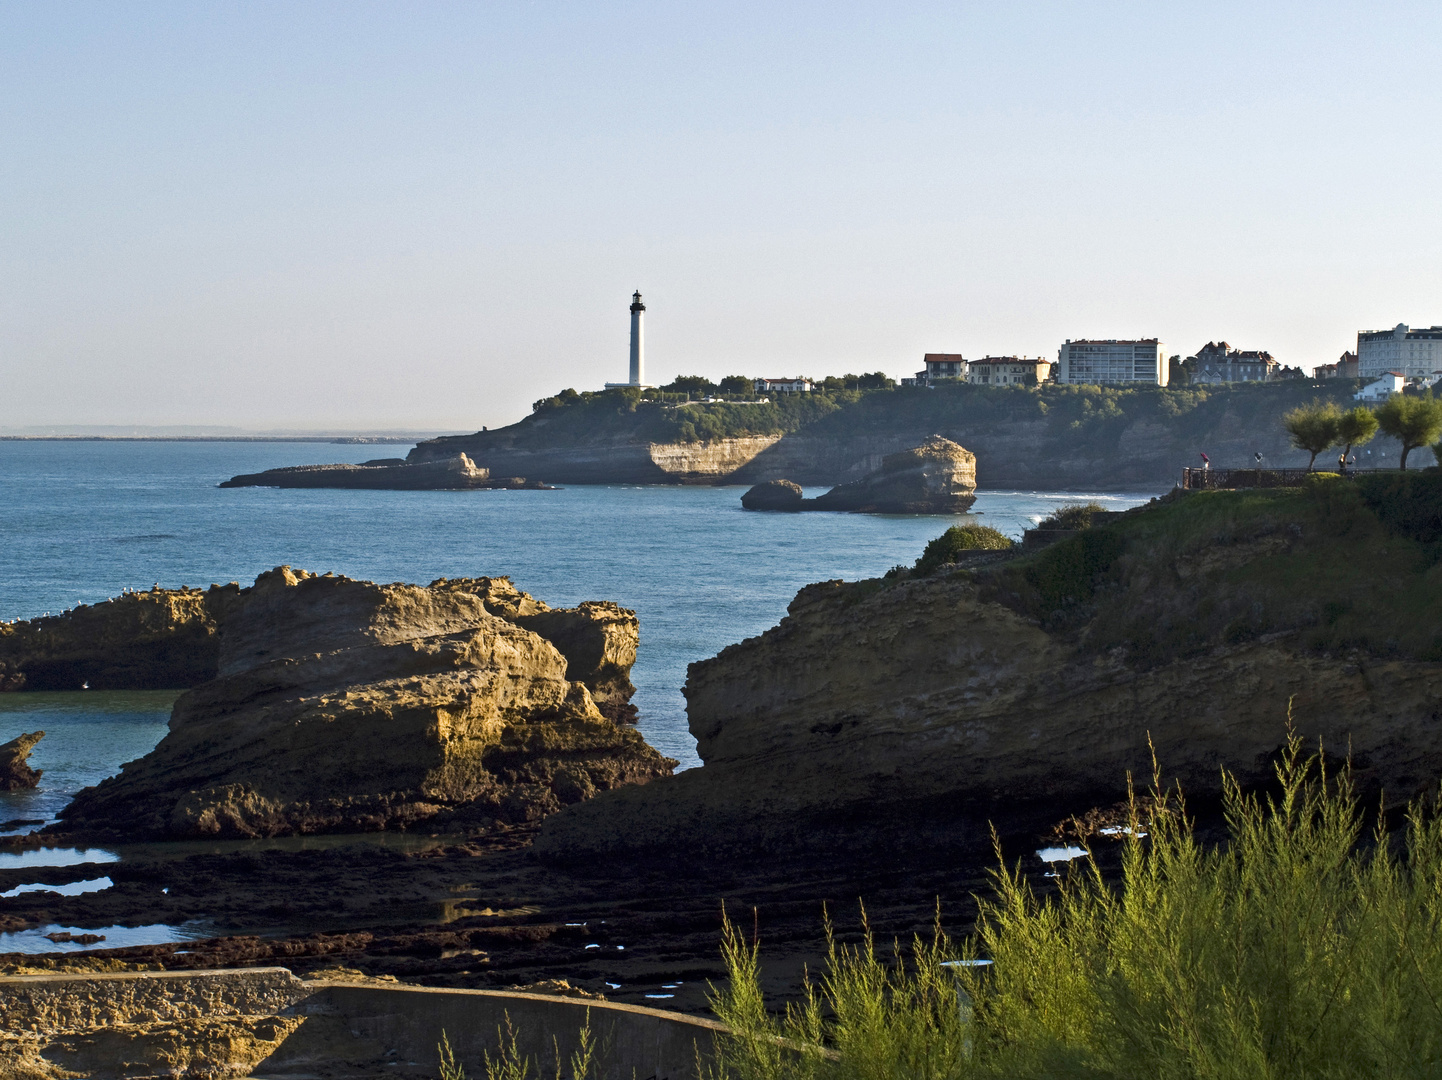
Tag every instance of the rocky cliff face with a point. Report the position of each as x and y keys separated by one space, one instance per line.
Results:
x=343 y=705
x=918 y=711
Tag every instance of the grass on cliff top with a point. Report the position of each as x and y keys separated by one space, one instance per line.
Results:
x=1337 y=564
x=1303 y=949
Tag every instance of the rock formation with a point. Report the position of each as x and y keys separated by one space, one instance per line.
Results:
x=456 y=473
x=15 y=771
x=341 y=705
x=157 y=640
x=937 y=477
x=773 y=495
x=167 y=639
x=912 y=710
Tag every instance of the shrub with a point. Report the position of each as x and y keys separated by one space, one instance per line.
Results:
x=1077 y=516
x=1065 y=574
x=956 y=541
x=1296 y=950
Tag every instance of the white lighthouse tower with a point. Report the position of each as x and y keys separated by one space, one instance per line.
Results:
x=638 y=312
x=638 y=345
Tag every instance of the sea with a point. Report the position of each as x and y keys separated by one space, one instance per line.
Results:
x=80 y=521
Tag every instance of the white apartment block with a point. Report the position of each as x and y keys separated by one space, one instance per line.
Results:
x=1414 y=353
x=1112 y=361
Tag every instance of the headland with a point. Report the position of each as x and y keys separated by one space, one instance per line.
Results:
x=1051 y=437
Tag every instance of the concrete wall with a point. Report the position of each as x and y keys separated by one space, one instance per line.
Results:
x=266 y=1023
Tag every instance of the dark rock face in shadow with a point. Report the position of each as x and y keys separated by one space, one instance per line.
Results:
x=163 y=639
x=780 y=495
x=15 y=771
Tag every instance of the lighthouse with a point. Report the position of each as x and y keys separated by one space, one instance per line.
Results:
x=638 y=312
x=638 y=346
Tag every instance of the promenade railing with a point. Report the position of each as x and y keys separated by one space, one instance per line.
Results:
x=1203 y=479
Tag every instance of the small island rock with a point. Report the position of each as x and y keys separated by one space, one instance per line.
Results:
x=773 y=495
x=15 y=771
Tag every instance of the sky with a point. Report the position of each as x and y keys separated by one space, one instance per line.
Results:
x=426 y=216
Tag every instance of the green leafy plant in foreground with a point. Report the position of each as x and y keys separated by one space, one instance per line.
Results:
x=958 y=540
x=1302 y=948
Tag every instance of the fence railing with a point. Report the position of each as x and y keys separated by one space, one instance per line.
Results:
x=1201 y=479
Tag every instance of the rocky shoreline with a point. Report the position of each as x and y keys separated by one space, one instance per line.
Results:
x=458 y=473
x=868 y=747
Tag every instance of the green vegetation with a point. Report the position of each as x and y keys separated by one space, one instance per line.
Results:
x=1072 y=419
x=1355 y=427
x=956 y=541
x=511 y=1063
x=1334 y=565
x=1077 y=516
x=1301 y=949
x=1313 y=427
x=1413 y=421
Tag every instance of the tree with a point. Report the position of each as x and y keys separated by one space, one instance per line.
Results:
x=737 y=384
x=690 y=384
x=1412 y=421
x=1313 y=427
x=1356 y=427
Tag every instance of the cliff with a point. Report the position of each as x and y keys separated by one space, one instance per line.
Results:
x=1050 y=437
x=916 y=711
x=341 y=705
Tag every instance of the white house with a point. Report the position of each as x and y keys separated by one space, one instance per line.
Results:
x=797 y=385
x=1389 y=384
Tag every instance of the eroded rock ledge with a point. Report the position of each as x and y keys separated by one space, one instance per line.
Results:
x=340 y=705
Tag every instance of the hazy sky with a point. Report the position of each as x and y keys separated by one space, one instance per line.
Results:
x=431 y=214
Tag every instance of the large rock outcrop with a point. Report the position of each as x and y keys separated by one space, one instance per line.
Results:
x=937 y=477
x=168 y=639
x=918 y=711
x=15 y=771
x=342 y=705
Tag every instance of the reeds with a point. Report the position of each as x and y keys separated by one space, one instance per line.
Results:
x=1302 y=948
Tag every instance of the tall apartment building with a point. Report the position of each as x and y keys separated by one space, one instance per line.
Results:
x=1112 y=361
x=1411 y=352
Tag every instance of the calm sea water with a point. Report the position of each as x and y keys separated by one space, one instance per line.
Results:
x=80 y=521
